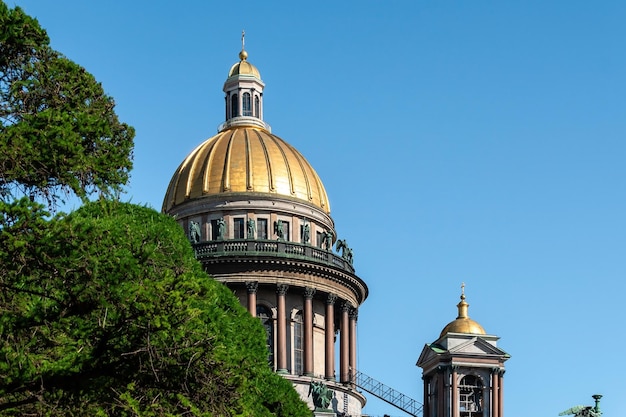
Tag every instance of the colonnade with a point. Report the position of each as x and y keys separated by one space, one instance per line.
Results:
x=437 y=394
x=347 y=332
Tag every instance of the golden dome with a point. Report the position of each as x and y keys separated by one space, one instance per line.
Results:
x=243 y=67
x=244 y=160
x=463 y=324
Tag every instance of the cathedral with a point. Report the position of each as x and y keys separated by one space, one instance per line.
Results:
x=258 y=217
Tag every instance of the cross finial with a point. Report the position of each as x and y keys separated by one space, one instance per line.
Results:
x=243 y=41
x=462 y=290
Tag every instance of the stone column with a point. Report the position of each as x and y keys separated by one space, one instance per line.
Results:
x=281 y=326
x=426 y=410
x=501 y=393
x=353 y=315
x=344 y=344
x=329 y=333
x=252 y=287
x=454 y=395
x=441 y=394
x=308 y=330
x=495 y=394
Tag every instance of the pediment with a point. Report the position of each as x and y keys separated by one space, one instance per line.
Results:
x=476 y=346
x=427 y=355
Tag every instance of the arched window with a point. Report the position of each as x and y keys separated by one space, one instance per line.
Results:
x=234 y=106
x=247 y=107
x=265 y=315
x=471 y=397
x=298 y=356
x=257 y=107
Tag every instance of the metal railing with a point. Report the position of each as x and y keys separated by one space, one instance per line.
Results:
x=271 y=248
x=388 y=394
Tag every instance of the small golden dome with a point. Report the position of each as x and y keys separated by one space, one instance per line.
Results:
x=463 y=324
x=245 y=160
x=243 y=67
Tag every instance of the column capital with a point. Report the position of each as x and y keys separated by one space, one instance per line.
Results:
x=252 y=286
x=345 y=307
x=354 y=313
x=454 y=368
x=281 y=289
x=309 y=292
x=497 y=370
x=331 y=298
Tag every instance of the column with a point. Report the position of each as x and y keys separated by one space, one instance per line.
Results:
x=344 y=343
x=501 y=393
x=353 y=316
x=308 y=330
x=252 y=287
x=495 y=394
x=329 y=334
x=441 y=391
x=454 y=394
x=426 y=410
x=281 y=348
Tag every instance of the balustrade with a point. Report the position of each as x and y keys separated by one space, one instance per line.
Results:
x=247 y=247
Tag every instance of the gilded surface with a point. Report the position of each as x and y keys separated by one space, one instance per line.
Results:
x=463 y=325
x=245 y=159
x=244 y=68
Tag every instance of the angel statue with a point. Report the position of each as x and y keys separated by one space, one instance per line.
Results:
x=346 y=251
x=582 y=411
x=194 y=232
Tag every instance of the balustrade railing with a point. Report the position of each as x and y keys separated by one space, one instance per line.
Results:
x=246 y=247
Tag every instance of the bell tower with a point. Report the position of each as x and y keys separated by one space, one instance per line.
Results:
x=463 y=370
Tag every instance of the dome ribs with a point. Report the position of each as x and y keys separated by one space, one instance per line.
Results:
x=292 y=190
x=208 y=146
x=305 y=174
x=249 y=177
x=268 y=164
x=207 y=183
x=186 y=171
x=226 y=171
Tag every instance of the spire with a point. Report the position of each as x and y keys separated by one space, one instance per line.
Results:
x=243 y=55
x=462 y=306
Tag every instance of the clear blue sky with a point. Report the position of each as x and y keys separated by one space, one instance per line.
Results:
x=475 y=141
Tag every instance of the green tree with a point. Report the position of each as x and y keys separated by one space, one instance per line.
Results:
x=59 y=130
x=118 y=318
x=104 y=311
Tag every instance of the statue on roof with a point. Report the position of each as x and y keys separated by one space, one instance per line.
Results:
x=581 y=411
x=322 y=395
x=221 y=228
x=346 y=251
x=279 y=230
x=328 y=240
x=194 y=232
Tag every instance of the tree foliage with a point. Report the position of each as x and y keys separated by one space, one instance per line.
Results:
x=58 y=128
x=118 y=318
